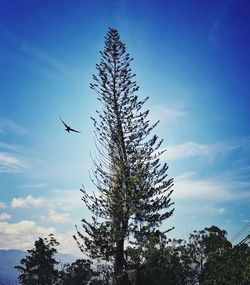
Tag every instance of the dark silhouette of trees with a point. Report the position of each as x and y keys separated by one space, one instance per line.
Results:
x=38 y=268
x=162 y=266
x=201 y=245
x=41 y=268
x=133 y=190
x=206 y=258
x=80 y=272
x=224 y=264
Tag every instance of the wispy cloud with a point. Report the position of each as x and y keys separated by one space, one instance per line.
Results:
x=33 y=186
x=217 y=20
x=200 y=209
x=56 y=217
x=166 y=113
x=192 y=149
x=11 y=159
x=11 y=163
x=5 y=216
x=221 y=210
x=43 y=57
x=26 y=202
x=66 y=199
x=35 y=56
x=14 y=158
x=8 y=126
x=214 y=189
x=2 y=205
x=15 y=148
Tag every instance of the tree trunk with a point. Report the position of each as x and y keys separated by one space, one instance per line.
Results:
x=119 y=257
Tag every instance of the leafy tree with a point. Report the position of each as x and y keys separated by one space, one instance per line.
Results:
x=79 y=272
x=228 y=266
x=168 y=263
x=133 y=197
x=213 y=260
x=200 y=244
x=38 y=268
x=162 y=266
x=207 y=258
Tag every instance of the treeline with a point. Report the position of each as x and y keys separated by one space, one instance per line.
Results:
x=206 y=257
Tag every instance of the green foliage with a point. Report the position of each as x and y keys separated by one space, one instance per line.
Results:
x=133 y=191
x=229 y=266
x=203 y=243
x=162 y=266
x=38 y=268
x=168 y=262
x=80 y=272
x=207 y=258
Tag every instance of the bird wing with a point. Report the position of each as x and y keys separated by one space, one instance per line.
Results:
x=63 y=123
x=72 y=130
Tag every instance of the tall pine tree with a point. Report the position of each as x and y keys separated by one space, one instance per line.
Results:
x=133 y=190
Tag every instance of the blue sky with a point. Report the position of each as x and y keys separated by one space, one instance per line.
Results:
x=190 y=57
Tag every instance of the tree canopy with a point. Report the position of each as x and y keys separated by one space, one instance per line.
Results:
x=38 y=268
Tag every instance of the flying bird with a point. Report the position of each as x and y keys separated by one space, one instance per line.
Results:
x=68 y=128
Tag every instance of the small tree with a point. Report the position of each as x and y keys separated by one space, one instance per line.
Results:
x=38 y=268
x=133 y=196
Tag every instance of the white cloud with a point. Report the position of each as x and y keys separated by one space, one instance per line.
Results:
x=66 y=199
x=192 y=149
x=12 y=158
x=5 y=216
x=26 y=202
x=10 y=163
x=37 y=185
x=23 y=234
x=221 y=211
x=215 y=189
x=68 y=244
x=8 y=160
x=11 y=147
x=7 y=126
x=186 y=175
x=164 y=113
x=205 y=209
x=186 y=149
x=57 y=217
x=2 y=205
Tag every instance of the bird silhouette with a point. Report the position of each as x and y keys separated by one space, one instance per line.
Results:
x=68 y=128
